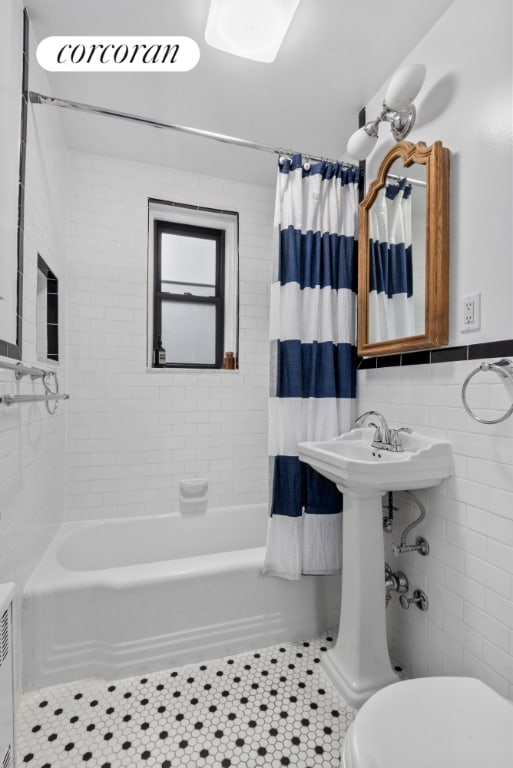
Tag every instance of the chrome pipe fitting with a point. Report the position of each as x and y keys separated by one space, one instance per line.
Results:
x=419 y=599
x=394 y=582
x=421 y=546
x=388 y=519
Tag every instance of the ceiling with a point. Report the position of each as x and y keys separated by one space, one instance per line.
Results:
x=335 y=57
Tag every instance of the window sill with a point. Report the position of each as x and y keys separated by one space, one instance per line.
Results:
x=41 y=359
x=196 y=371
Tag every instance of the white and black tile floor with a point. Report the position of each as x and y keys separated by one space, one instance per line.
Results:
x=269 y=708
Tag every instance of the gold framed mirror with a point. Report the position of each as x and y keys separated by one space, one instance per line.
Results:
x=403 y=252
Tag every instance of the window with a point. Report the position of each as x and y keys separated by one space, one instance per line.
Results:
x=192 y=286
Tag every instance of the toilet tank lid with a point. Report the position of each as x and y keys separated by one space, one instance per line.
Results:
x=448 y=722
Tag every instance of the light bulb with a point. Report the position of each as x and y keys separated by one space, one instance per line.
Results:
x=404 y=86
x=361 y=143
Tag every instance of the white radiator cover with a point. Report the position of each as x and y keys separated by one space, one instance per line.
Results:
x=6 y=678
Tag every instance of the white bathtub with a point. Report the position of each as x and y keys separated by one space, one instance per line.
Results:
x=116 y=598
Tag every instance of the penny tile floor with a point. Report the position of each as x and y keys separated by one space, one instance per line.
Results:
x=270 y=708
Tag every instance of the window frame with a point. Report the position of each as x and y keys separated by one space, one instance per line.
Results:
x=217 y=300
x=198 y=217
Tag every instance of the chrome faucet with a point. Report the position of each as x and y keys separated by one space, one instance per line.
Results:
x=385 y=438
x=382 y=433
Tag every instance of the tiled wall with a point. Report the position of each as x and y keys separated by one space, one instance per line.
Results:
x=133 y=433
x=468 y=574
x=31 y=441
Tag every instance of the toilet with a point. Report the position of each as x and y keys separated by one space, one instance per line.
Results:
x=432 y=722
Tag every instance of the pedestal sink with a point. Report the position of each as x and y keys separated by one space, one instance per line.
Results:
x=359 y=664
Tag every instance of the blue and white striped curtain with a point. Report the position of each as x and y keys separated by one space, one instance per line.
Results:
x=391 y=306
x=313 y=356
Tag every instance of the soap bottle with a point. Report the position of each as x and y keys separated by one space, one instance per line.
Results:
x=159 y=354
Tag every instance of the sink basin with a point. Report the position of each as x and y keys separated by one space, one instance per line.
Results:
x=359 y=664
x=351 y=461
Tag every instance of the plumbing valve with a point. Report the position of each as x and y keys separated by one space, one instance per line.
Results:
x=394 y=582
x=419 y=598
x=421 y=546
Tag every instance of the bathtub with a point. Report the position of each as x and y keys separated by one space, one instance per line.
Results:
x=117 y=598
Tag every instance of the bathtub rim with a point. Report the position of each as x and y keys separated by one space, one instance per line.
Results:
x=49 y=574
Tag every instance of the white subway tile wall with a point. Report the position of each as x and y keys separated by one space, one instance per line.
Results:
x=468 y=574
x=134 y=433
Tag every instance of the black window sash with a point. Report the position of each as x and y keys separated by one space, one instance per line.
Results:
x=159 y=296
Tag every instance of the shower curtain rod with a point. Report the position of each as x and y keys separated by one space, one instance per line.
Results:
x=415 y=182
x=39 y=98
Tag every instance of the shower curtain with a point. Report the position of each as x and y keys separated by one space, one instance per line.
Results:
x=391 y=307
x=313 y=356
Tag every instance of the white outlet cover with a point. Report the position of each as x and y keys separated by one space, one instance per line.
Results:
x=475 y=325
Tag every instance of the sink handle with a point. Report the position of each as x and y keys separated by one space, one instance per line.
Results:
x=377 y=440
x=395 y=440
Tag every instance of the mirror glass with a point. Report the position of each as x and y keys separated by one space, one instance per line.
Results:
x=397 y=253
x=403 y=252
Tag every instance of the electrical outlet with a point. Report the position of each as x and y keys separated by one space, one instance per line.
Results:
x=468 y=311
x=471 y=312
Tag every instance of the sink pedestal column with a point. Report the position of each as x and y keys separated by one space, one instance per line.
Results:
x=359 y=664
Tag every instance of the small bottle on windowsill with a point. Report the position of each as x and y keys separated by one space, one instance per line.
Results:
x=159 y=354
x=229 y=361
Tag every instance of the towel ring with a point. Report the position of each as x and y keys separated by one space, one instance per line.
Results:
x=503 y=368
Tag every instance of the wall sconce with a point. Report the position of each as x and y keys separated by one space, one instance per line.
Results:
x=253 y=29
x=398 y=110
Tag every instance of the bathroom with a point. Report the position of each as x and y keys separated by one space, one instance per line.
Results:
x=131 y=436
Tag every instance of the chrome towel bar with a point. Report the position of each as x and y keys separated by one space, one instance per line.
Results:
x=504 y=369
x=9 y=399
x=48 y=378
x=21 y=370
